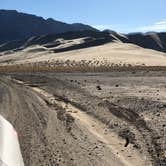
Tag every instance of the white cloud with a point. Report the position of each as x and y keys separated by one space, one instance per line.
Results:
x=161 y=22
x=158 y=26
x=103 y=27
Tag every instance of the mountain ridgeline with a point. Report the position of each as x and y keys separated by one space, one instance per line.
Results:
x=17 y=26
x=152 y=40
x=20 y=30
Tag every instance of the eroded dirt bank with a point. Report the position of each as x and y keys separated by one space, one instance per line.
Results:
x=87 y=119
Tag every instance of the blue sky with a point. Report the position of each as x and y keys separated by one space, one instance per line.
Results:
x=120 y=15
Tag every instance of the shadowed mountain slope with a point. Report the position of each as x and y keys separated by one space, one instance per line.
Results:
x=152 y=40
x=91 y=38
x=16 y=26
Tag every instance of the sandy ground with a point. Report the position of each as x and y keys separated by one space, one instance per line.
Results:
x=86 y=119
x=115 y=118
x=49 y=136
x=111 y=53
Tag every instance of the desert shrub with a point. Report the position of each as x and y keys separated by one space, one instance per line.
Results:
x=75 y=66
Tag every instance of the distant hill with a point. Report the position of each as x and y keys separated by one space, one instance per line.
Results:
x=16 y=26
x=151 y=40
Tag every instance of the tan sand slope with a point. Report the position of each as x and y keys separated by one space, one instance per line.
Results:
x=114 y=53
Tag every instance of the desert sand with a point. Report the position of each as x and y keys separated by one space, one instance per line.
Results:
x=115 y=53
x=113 y=118
x=87 y=118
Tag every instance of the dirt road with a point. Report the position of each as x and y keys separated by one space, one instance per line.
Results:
x=66 y=120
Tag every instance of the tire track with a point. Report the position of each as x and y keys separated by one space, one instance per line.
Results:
x=88 y=122
x=35 y=122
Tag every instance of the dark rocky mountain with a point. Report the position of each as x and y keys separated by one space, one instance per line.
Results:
x=92 y=38
x=17 y=26
x=20 y=30
x=152 y=40
x=155 y=41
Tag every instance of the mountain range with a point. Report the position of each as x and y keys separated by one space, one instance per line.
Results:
x=20 y=30
x=16 y=26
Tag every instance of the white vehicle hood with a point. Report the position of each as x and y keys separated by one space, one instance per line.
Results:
x=10 y=153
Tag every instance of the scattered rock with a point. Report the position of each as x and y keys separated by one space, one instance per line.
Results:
x=128 y=136
x=158 y=114
x=136 y=146
x=116 y=85
x=98 y=87
x=127 y=142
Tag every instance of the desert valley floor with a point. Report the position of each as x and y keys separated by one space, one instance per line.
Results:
x=98 y=119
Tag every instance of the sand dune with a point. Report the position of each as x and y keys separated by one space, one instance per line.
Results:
x=116 y=52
